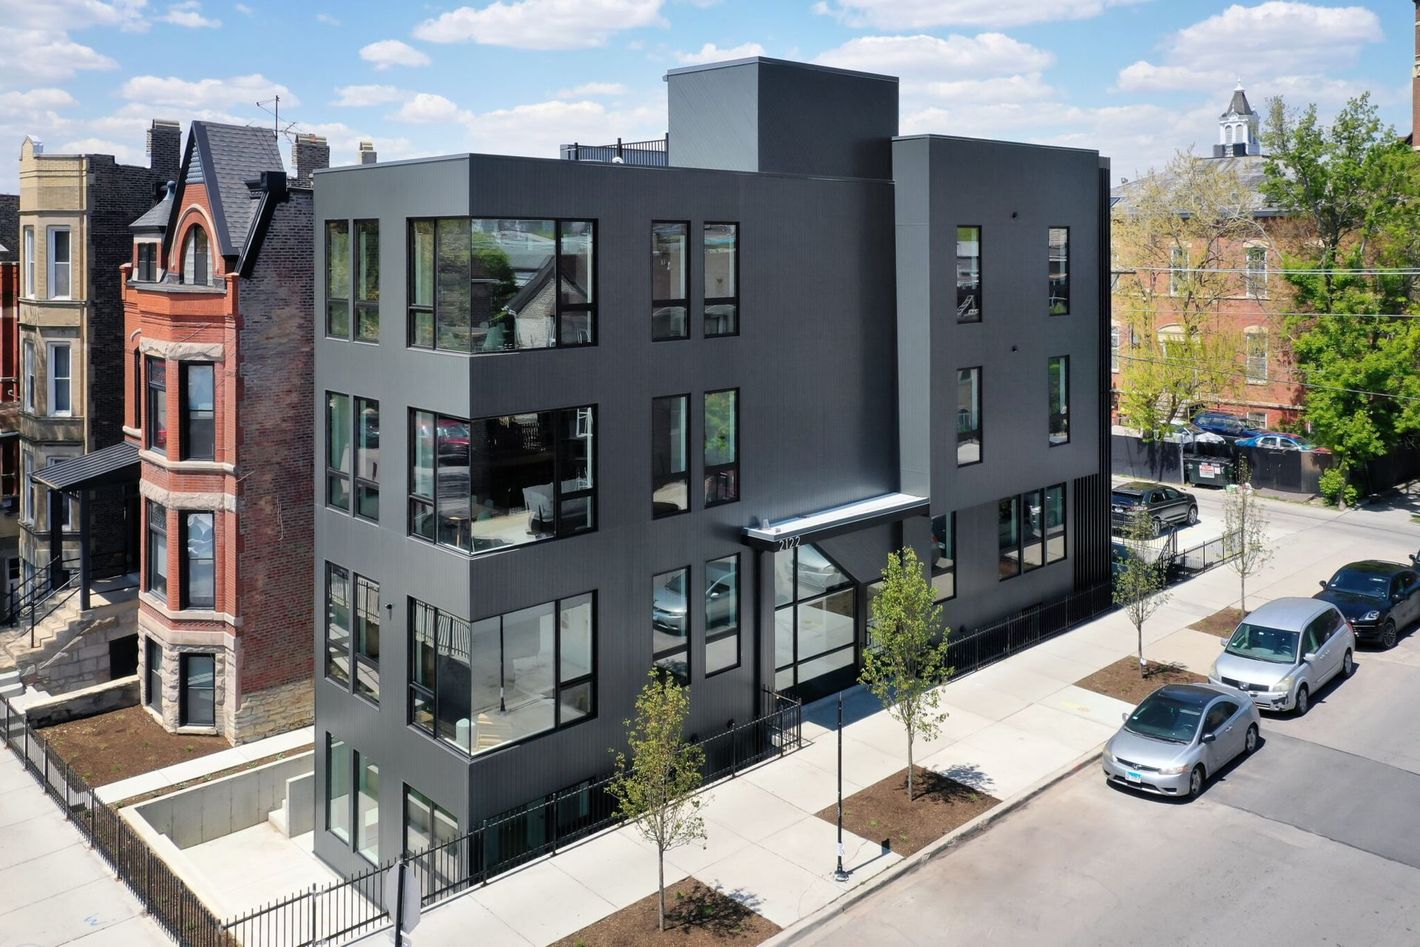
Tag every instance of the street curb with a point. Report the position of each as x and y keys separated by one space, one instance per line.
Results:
x=941 y=846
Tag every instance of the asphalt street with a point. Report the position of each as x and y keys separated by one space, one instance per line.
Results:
x=1315 y=839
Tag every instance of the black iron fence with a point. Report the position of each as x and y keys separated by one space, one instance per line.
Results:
x=977 y=648
x=166 y=897
x=355 y=906
x=650 y=153
x=1186 y=563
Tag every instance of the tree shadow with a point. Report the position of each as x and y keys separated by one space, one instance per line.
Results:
x=957 y=781
x=713 y=910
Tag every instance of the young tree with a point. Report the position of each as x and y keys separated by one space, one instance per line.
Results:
x=656 y=789
x=1177 y=235
x=1141 y=575
x=1245 y=531
x=907 y=656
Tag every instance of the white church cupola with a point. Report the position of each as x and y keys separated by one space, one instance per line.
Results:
x=1237 y=128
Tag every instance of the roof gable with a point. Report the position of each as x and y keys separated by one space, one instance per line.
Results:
x=225 y=158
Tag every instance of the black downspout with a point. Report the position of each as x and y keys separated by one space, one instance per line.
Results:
x=84 y=565
x=56 y=539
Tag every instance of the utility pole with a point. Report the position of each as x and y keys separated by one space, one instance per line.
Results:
x=839 y=874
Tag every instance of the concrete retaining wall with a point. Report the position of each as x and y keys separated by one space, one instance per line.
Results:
x=301 y=804
x=221 y=807
x=88 y=702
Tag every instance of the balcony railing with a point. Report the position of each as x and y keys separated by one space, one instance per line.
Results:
x=646 y=154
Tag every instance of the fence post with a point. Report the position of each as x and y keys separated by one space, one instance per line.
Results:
x=311 y=912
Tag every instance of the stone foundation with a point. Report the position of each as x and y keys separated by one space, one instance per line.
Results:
x=84 y=661
x=272 y=711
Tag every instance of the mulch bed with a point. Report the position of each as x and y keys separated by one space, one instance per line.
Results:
x=882 y=812
x=1221 y=623
x=696 y=916
x=124 y=743
x=1121 y=679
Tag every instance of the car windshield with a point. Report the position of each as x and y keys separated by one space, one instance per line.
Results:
x=1360 y=583
x=1264 y=644
x=1165 y=718
x=1124 y=499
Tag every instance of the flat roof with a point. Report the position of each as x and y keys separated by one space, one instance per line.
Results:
x=765 y=60
x=994 y=141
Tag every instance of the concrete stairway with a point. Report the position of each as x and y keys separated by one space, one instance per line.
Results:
x=10 y=684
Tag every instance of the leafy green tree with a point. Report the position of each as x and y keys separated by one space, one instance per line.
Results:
x=655 y=789
x=907 y=656
x=1245 y=539
x=1140 y=575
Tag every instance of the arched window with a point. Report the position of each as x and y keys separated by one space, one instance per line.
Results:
x=1255 y=342
x=196 y=268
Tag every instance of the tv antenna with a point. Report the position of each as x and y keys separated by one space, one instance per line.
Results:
x=275 y=113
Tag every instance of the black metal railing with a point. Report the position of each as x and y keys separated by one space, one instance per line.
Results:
x=974 y=649
x=165 y=897
x=652 y=153
x=353 y=907
x=37 y=597
x=1189 y=562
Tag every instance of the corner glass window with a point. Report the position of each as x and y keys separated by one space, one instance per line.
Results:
x=722 y=279
x=670 y=485
x=198 y=411
x=156 y=430
x=487 y=285
x=670 y=307
x=722 y=447
x=427 y=826
x=199 y=576
x=968 y=274
x=367 y=281
x=1059 y=380
x=337 y=279
x=197 y=690
x=722 y=614
x=367 y=810
x=944 y=556
x=968 y=416
x=1059 y=271
x=670 y=623
x=337 y=450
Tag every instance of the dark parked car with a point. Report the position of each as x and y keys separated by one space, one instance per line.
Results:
x=1379 y=599
x=1228 y=425
x=1166 y=505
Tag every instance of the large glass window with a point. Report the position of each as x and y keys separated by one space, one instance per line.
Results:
x=157 y=427
x=670 y=305
x=337 y=624
x=367 y=809
x=352 y=631
x=944 y=556
x=61 y=379
x=337 y=279
x=722 y=279
x=1059 y=271
x=722 y=614
x=670 y=485
x=367 y=458
x=338 y=770
x=1059 y=379
x=426 y=825
x=147 y=269
x=670 y=623
x=59 y=264
x=367 y=281
x=968 y=416
x=497 y=285
x=1255 y=338
x=505 y=481
x=158 y=551
x=1055 y=523
x=337 y=450
x=722 y=447
x=199 y=566
x=198 y=690
x=367 y=638
x=814 y=618
x=29 y=290
x=1032 y=530
x=501 y=679
x=1008 y=531
x=968 y=274
x=198 y=411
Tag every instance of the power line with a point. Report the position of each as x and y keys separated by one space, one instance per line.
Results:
x=1242 y=372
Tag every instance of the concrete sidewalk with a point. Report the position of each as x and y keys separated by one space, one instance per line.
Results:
x=53 y=890
x=1010 y=725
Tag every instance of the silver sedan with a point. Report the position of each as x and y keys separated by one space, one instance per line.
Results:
x=1180 y=735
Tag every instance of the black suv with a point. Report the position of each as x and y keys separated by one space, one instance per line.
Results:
x=1228 y=425
x=1166 y=505
x=1379 y=599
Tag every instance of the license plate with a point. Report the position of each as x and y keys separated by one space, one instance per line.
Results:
x=1133 y=777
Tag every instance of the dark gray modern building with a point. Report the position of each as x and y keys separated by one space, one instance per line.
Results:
x=584 y=418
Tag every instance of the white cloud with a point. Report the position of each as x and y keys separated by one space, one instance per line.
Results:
x=35 y=99
x=244 y=10
x=123 y=152
x=327 y=19
x=47 y=55
x=924 y=14
x=925 y=58
x=538 y=128
x=358 y=96
x=591 y=90
x=712 y=53
x=188 y=13
x=541 y=24
x=63 y=15
x=426 y=108
x=204 y=93
x=1274 y=44
x=388 y=53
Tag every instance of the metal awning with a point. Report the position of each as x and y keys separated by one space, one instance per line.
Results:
x=860 y=514
x=116 y=464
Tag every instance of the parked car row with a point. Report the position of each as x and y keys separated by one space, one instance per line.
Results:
x=1243 y=433
x=1276 y=660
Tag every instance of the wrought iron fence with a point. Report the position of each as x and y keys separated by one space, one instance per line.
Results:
x=1189 y=562
x=166 y=897
x=354 y=906
x=975 y=649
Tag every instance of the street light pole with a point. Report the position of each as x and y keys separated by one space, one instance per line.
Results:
x=839 y=874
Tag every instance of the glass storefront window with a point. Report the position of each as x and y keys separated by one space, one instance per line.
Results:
x=816 y=632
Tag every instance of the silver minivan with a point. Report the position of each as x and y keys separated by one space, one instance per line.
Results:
x=1281 y=654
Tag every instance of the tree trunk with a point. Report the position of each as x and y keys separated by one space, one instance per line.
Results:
x=1243 y=600
x=661 y=890
x=1139 y=630
x=909 y=766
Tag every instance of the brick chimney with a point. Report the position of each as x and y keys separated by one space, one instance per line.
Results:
x=165 y=147
x=309 y=154
x=367 y=148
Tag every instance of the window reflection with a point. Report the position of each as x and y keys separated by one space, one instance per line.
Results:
x=968 y=274
x=669 y=307
x=670 y=623
x=722 y=275
x=1033 y=530
x=1008 y=531
x=968 y=416
x=815 y=630
x=670 y=488
x=944 y=558
x=1059 y=271
x=722 y=614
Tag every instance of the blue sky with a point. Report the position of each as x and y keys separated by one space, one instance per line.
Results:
x=1134 y=79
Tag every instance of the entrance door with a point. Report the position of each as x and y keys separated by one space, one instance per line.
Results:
x=816 y=632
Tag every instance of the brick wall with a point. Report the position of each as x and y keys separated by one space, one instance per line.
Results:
x=10 y=226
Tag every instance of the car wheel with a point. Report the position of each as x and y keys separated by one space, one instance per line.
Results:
x=1193 y=516
x=1388 y=636
x=1250 y=741
x=1304 y=701
x=1348 y=665
x=1196 y=779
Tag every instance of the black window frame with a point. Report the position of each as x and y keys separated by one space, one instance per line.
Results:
x=799 y=600
x=157 y=407
x=720 y=300
x=185 y=689
x=366 y=310
x=949 y=532
x=153 y=673
x=683 y=302
x=365 y=602
x=185 y=570
x=1051 y=295
x=1064 y=526
x=1003 y=551
x=560 y=308
x=342 y=475
x=157 y=526
x=721 y=633
x=1022 y=501
x=717 y=472
x=332 y=330
x=332 y=649
x=1061 y=437
x=658 y=658
x=146 y=268
x=972 y=315
x=659 y=480
x=189 y=414
x=980 y=429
